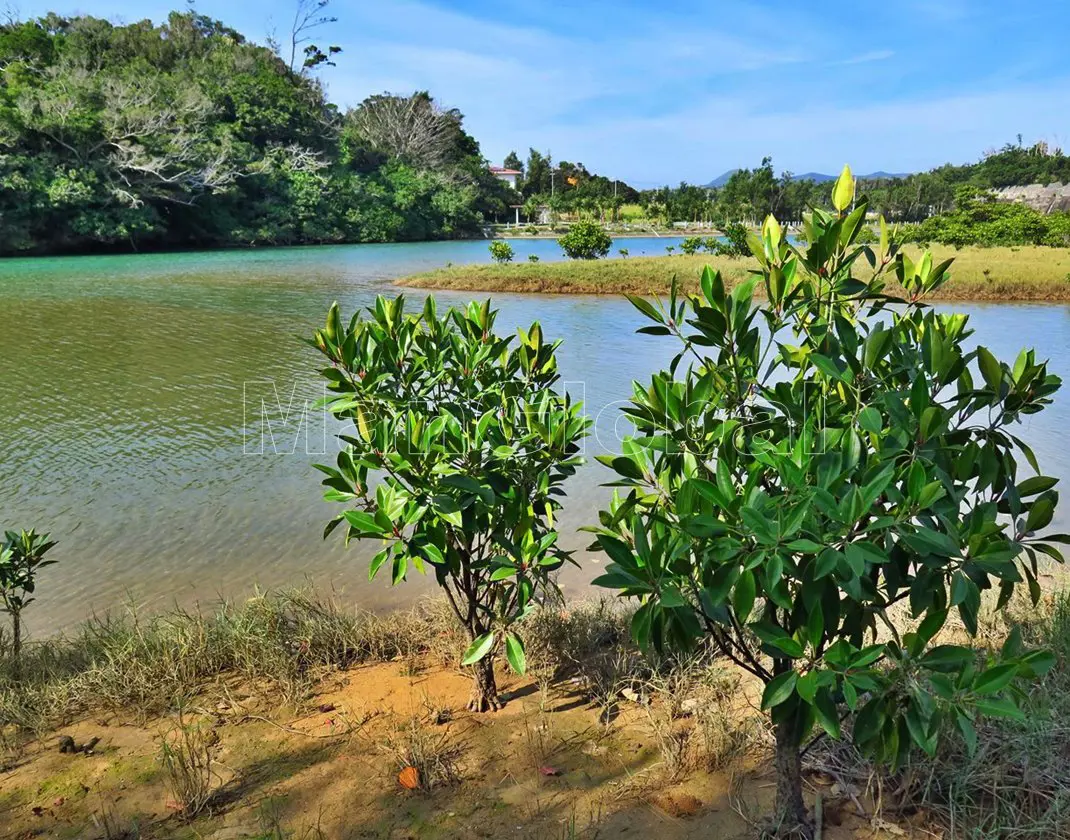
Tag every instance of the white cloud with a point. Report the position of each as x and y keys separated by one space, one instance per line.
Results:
x=514 y=83
x=866 y=57
x=700 y=142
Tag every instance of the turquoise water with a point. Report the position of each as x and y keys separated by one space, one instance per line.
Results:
x=152 y=412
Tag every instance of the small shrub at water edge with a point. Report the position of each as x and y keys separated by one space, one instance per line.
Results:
x=501 y=252
x=585 y=240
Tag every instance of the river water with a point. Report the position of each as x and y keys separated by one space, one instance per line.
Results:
x=153 y=413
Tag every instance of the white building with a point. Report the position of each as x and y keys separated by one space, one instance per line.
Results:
x=507 y=175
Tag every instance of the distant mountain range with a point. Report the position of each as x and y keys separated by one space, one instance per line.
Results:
x=819 y=177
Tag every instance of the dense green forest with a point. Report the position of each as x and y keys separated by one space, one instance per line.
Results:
x=187 y=134
x=752 y=194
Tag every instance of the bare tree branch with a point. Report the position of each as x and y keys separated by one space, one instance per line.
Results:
x=307 y=16
x=412 y=128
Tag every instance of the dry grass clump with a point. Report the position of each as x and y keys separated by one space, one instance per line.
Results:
x=285 y=640
x=539 y=741
x=1026 y=273
x=430 y=751
x=187 y=757
x=696 y=717
x=1016 y=785
x=575 y=829
x=589 y=646
x=272 y=827
x=567 y=642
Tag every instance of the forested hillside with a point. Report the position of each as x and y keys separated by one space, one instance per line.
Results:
x=189 y=135
x=752 y=194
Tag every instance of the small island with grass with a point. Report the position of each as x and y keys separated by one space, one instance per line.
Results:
x=1007 y=274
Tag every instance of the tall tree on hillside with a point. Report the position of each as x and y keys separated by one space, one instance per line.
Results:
x=751 y=193
x=309 y=15
x=415 y=129
x=513 y=161
x=537 y=180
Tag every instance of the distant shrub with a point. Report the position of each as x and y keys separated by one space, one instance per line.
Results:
x=585 y=240
x=713 y=245
x=735 y=235
x=501 y=252
x=866 y=236
x=533 y=257
x=909 y=232
x=531 y=229
x=1058 y=235
x=691 y=245
x=669 y=249
x=983 y=221
x=623 y=252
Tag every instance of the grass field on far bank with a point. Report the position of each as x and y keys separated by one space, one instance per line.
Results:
x=1026 y=273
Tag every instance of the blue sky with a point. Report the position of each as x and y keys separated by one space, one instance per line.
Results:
x=659 y=92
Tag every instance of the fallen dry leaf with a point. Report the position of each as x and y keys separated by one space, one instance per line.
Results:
x=409 y=778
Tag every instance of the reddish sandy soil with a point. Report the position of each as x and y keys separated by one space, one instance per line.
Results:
x=543 y=767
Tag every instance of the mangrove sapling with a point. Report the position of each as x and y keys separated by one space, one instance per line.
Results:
x=470 y=445
x=22 y=555
x=691 y=245
x=585 y=240
x=501 y=252
x=789 y=485
x=736 y=240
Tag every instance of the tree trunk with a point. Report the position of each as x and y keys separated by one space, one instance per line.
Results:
x=484 y=688
x=791 y=819
x=16 y=645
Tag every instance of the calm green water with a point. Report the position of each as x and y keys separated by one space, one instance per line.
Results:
x=152 y=412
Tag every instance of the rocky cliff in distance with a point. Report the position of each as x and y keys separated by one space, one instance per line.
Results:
x=1047 y=199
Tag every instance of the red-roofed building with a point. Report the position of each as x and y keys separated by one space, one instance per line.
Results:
x=507 y=175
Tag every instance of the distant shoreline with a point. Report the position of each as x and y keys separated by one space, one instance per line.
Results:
x=627 y=234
